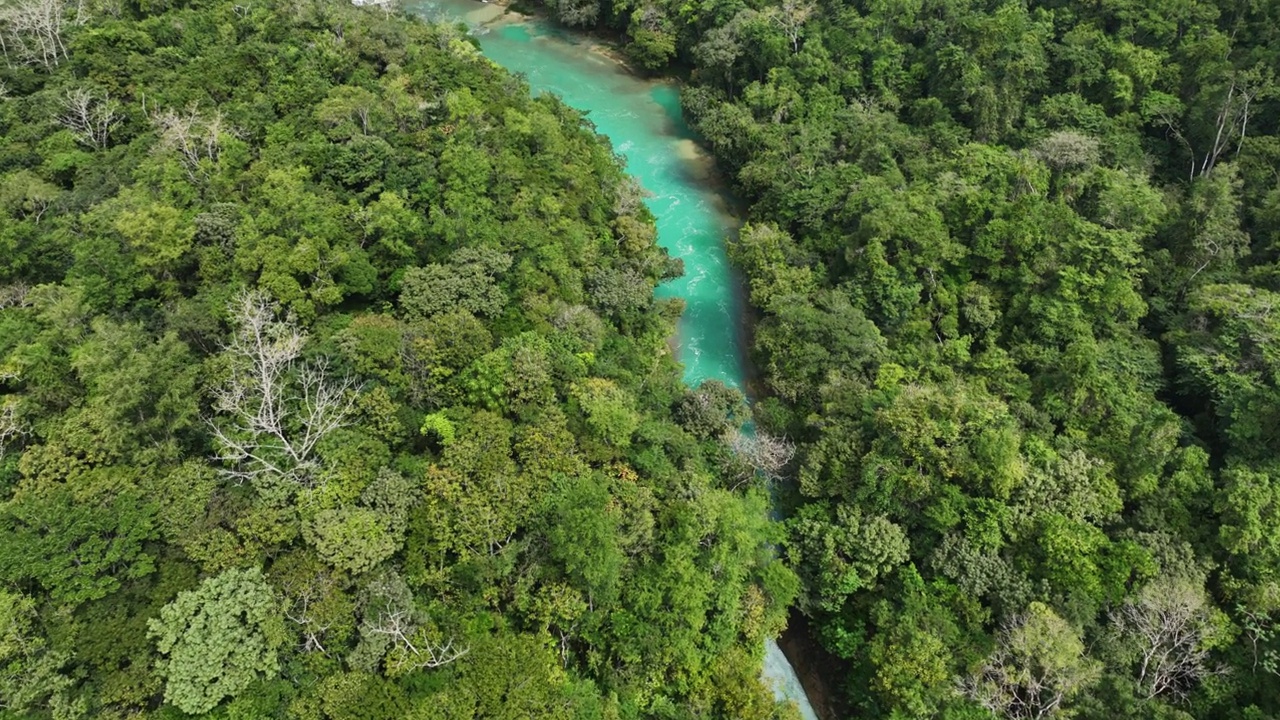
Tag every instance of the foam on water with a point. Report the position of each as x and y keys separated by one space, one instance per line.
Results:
x=786 y=685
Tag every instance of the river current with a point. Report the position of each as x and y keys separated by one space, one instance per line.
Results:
x=643 y=120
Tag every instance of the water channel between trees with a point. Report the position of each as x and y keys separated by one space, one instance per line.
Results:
x=643 y=120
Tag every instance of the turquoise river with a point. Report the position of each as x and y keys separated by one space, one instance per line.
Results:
x=642 y=119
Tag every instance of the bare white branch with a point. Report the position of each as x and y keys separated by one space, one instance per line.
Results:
x=89 y=117
x=312 y=630
x=1038 y=665
x=760 y=454
x=195 y=138
x=416 y=649
x=630 y=196
x=790 y=17
x=31 y=31
x=12 y=427
x=275 y=409
x=391 y=620
x=14 y=295
x=1171 y=624
x=1260 y=629
x=1232 y=124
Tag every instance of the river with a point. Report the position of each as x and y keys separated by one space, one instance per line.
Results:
x=642 y=119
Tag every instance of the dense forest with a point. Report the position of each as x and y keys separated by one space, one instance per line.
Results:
x=1015 y=276
x=333 y=386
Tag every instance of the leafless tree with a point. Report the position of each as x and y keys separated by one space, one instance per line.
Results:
x=1167 y=114
x=311 y=628
x=1038 y=664
x=630 y=197
x=413 y=648
x=12 y=428
x=195 y=137
x=1171 y=624
x=1231 y=124
x=31 y=31
x=393 y=630
x=275 y=408
x=33 y=198
x=1260 y=630
x=346 y=104
x=791 y=16
x=760 y=454
x=577 y=13
x=362 y=112
x=14 y=295
x=388 y=7
x=652 y=18
x=109 y=8
x=302 y=597
x=89 y=117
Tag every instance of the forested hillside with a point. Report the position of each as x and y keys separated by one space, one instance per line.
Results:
x=332 y=385
x=1014 y=270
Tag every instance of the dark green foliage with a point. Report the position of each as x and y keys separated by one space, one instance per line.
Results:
x=1012 y=270
x=332 y=386
x=711 y=409
x=76 y=547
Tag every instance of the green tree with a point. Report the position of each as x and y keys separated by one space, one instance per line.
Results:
x=218 y=639
x=711 y=409
x=840 y=553
x=609 y=410
x=583 y=536
x=78 y=544
x=467 y=282
x=296 y=246
x=32 y=675
x=351 y=539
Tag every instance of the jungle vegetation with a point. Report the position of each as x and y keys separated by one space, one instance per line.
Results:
x=1014 y=268
x=333 y=386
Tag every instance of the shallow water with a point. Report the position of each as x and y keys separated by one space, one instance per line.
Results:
x=642 y=119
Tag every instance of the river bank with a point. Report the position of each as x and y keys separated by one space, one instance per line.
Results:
x=689 y=198
x=812 y=665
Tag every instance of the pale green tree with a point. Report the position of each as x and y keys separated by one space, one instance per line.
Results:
x=609 y=410
x=468 y=282
x=218 y=639
x=354 y=538
x=1038 y=665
